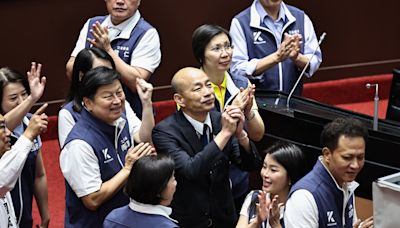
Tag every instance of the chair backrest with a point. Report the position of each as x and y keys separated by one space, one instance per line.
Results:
x=393 y=108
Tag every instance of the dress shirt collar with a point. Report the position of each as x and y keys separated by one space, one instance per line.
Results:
x=151 y=209
x=198 y=126
x=347 y=188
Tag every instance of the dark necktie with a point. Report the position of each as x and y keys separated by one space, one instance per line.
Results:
x=203 y=137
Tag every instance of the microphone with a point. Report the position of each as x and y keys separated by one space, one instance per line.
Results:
x=321 y=38
x=376 y=104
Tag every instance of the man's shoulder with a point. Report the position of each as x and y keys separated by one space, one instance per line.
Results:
x=294 y=9
x=244 y=13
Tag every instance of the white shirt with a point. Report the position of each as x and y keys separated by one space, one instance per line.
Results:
x=11 y=165
x=302 y=210
x=242 y=65
x=80 y=165
x=146 y=55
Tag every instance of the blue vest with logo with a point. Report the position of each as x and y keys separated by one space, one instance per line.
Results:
x=126 y=217
x=100 y=136
x=259 y=49
x=69 y=107
x=124 y=49
x=328 y=197
x=26 y=181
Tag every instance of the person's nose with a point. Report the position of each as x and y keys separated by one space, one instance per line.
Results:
x=117 y=99
x=20 y=99
x=355 y=164
x=8 y=132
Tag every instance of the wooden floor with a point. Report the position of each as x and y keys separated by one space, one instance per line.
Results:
x=364 y=208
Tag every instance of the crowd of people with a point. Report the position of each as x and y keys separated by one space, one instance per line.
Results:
x=192 y=168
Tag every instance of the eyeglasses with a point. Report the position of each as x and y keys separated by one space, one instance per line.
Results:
x=220 y=49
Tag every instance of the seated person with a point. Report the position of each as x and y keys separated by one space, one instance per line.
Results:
x=151 y=186
x=284 y=165
x=325 y=196
x=99 y=151
x=203 y=143
x=12 y=161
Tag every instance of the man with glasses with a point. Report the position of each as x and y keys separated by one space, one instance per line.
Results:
x=12 y=160
x=273 y=43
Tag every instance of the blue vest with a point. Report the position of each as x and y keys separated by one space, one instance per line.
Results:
x=239 y=178
x=100 y=136
x=290 y=72
x=124 y=48
x=328 y=197
x=69 y=107
x=27 y=181
x=125 y=217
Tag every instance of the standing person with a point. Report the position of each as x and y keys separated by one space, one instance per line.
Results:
x=99 y=151
x=325 y=196
x=12 y=161
x=212 y=48
x=90 y=58
x=203 y=143
x=14 y=90
x=131 y=41
x=284 y=165
x=151 y=186
x=273 y=43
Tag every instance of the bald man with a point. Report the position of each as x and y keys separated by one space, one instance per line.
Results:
x=203 y=143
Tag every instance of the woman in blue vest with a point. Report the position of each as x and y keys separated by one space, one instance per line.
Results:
x=99 y=151
x=151 y=186
x=14 y=90
x=284 y=165
x=212 y=48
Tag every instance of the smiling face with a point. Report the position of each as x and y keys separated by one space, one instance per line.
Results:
x=120 y=10
x=196 y=95
x=218 y=54
x=13 y=95
x=347 y=160
x=274 y=176
x=108 y=102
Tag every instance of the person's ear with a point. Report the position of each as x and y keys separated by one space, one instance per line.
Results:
x=179 y=100
x=88 y=103
x=326 y=154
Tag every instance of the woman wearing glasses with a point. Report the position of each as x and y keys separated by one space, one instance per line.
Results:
x=211 y=45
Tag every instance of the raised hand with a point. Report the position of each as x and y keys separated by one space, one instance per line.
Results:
x=285 y=48
x=36 y=82
x=100 y=37
x=295 y=49
x=275 y=213
x=134 y=153
x=262 y=207
x=230 y=118
x=247 y=109
x=144 y=90
x=242 y=98
x=37 y=123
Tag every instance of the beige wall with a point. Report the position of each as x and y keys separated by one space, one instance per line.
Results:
x=46 y=31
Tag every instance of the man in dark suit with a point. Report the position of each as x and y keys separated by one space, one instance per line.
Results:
x=203 y=143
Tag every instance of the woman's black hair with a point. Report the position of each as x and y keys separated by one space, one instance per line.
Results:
x=202 y=36
x=149 y=177
x=82 y=64
x=92 y=81
x=8 y=75
x=291 y=157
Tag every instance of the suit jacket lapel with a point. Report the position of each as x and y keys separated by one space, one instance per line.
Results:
x=189 y=133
